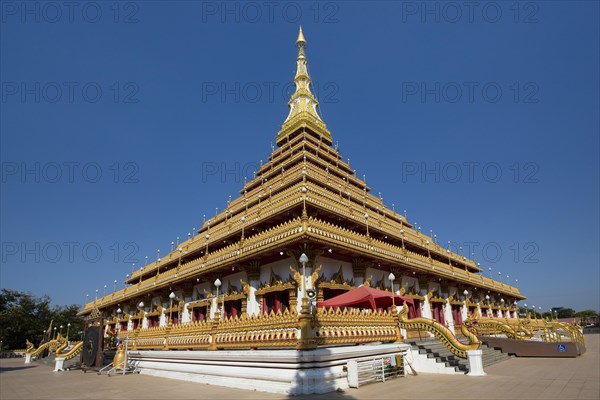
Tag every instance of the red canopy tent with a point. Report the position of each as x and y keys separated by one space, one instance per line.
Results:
x=365 y=297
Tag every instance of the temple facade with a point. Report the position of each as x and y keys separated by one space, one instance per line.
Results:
x=244 y=270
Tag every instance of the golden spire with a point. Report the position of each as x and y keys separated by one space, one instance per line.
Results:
x=300 y=37
x=303 y=104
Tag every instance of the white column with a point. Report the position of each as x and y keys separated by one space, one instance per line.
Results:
x=475 y=363
x=426 y=311
x=252 y=305
x=58 y=364
x=27 y=358
x=186 y=314
x=448 y=315
x=162 y=320
x=465 y=311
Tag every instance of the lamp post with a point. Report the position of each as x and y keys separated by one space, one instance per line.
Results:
x=500 y=277
x=207 y=236
x=60 y=331
x=303 y=260
x=68 y=328
x=180 y=255
x=115 y=286
x=54 y=334
x=402 y=238
x=119 y=314
x=96 y=295
x=171 y=297
x=391 y=277
x=218 y=285
x=487 y=298
x=367 y=223
x=508 y=279
x=243 y=220
x=141 y=309
x=304 y=190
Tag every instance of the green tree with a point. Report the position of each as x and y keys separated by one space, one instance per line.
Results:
x=565 y=312
x=24 y=316
x=587 y=315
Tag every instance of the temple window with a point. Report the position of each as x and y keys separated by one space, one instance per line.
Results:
x=414 y=310
x=199 y=313
x=233 y=308
x=275 y=301
x=438 y=312
x=331 y=293
x=153 y=321
x=123 y=326
x=457 y=314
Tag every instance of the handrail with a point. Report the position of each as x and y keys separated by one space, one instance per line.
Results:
x=445 y=336
x=76 y=349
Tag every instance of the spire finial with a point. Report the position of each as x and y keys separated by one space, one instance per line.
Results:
x=303 y=104
x=300 y=41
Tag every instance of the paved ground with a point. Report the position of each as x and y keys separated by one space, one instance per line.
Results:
x=517 y=378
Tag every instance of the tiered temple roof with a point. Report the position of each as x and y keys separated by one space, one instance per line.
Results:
x=305 y=197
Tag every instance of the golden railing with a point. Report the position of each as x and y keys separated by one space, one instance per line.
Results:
x=272 y=330
x=262 y=330
x=550 y=331
x=351 y=325
x=74 y=351
x=495 y=326
x=441 y=332
x=51 y=345
x=281 y=329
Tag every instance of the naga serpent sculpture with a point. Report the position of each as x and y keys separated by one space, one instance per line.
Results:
x=76 y=349
x=441 y=332
x=487 y=326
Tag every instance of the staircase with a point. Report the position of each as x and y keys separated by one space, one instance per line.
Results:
x=50 y=361
x=435 y=349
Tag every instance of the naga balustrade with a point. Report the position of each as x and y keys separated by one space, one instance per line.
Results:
x=281 y=329
x=526 y=328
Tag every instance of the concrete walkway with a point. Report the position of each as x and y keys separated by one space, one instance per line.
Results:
x=517 y=378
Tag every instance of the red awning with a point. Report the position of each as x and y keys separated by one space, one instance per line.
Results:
x=365 y=297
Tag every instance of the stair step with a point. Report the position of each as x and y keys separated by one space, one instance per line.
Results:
x=434 y=349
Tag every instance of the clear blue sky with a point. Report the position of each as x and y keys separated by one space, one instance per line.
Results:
x=482 y=123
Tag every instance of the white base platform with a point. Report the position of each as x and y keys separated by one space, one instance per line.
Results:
x=278 y=371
